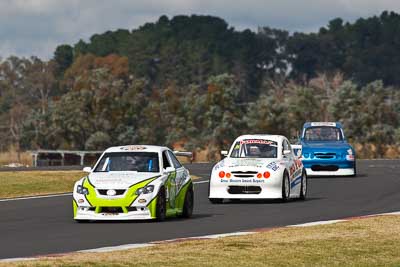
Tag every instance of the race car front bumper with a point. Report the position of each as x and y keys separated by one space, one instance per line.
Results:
x=84 y=213
x=339 y=172
x=329 y=167
x=268 y=189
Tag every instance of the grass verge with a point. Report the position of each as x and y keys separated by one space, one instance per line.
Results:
x=33 y=183
x=373 y=241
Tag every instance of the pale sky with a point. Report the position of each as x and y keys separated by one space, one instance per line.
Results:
x=37 y=27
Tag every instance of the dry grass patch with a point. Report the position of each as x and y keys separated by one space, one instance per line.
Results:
x=367 y=242
x=12 y=157
x=31 y=183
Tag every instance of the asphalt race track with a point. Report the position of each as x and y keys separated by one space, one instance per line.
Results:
x=45 y=226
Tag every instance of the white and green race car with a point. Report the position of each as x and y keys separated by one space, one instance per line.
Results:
x=134 y=182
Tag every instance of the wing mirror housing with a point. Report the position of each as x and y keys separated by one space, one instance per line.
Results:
x=169 y=169
x=87 y=169
x=287 y=152
x=224 y=153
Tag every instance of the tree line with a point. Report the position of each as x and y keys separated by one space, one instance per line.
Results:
x=196 y=81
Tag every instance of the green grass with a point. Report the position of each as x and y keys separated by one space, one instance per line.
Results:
x=31 y=183
x=367 y=242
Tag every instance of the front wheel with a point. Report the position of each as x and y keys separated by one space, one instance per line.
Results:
x=303 y=188
x=285 y=187
x=355 y=169
x=161 y=210
x=188 y=205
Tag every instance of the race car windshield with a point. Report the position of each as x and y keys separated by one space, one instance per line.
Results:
x=323 y=134
x=255 y=148
x=129 y=161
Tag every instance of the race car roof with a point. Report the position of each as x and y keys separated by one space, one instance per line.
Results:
x=322 y=123
x=130 y=148
x=275 y=138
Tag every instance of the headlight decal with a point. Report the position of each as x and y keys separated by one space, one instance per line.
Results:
x=83 y=185
x=145 y=190
x=80 y=189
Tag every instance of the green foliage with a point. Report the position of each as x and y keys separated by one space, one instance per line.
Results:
x=364 y=51
x=196 y=46
x=195 y=81
x=222 y=115
x=63 y=56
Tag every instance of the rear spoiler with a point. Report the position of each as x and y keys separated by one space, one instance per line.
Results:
x=297 y=150
x=184 y=154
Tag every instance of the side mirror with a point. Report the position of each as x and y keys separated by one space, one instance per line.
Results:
x=169 y=169
x=224 y=153
x=87 y=169
x=287 y=152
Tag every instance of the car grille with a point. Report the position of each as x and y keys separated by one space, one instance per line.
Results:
x=244 y=174
x=331 y=168
x=244 y=189
x=118 y=192
x=325 y=155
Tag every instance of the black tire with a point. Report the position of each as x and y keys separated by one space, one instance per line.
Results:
x=188 y=205
x=216 y=200
x=304 y=186
x=355 y=169
x=285 y=187
x=161 y=207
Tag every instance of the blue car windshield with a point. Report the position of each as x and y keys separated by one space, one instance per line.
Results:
x=323 y=133
x=129 y=161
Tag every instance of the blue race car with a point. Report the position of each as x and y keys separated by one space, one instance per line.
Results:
x=325 y=150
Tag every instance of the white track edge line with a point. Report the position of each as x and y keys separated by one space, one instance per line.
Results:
x=215 y=236
x=35 y=197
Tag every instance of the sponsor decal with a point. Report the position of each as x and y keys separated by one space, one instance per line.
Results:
x=247 y=180
x=295 y=181
x=273 y=166
x=130 y=148
x=256 y=141
x=246 y=162
x=109 y=214
x=292 y=169
x=298 y=163
x=332 y=124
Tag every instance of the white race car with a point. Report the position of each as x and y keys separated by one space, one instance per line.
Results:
x=134 y=182
x=258 y=167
